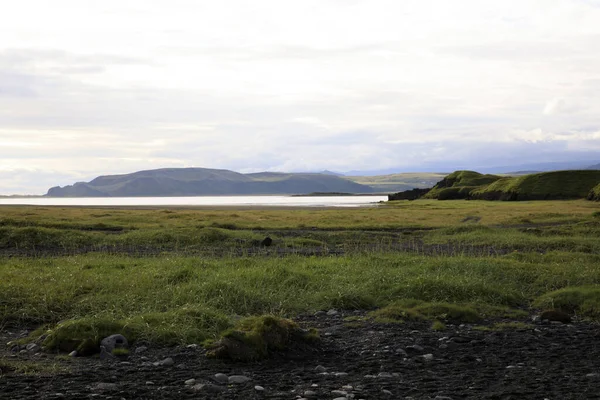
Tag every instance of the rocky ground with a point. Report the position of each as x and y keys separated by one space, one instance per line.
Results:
x=356 y=359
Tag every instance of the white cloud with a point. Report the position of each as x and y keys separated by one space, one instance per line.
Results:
x=89 y=88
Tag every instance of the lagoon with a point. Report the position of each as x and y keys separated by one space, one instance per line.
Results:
x=201 y=201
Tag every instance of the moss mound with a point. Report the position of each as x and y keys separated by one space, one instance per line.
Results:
x=255 y=337
x=84 y=335
x=581 y=300
x=557 y=185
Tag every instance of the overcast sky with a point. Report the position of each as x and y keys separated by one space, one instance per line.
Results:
x=115 y=86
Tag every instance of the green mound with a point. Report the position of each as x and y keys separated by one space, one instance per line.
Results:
x=594 y=194
x=459 y=185
x=581 y=300
x=557 y=185
x=255 y=337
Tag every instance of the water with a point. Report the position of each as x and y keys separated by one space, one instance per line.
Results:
x=229 y=201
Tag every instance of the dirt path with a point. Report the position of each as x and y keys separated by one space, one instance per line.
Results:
x=360 y=359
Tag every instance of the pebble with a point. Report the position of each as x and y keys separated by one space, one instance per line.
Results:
x=442 y=398
x=190 y=382
x=415 y=348
x=332 y=312
x=259 y=388
x=428 y=357
x=593 y=375
x=320 y=368
x=384 y=375
x=33 y=347
x=387 y=392
x=339 y=393
x=166 y=362
x=73 y=353
x=141 y=349
x=341 y=374
x=202 y=387
x=221 y=378
x=238 y=379
x=149 y=383
x=310 y=393
x=104 y=386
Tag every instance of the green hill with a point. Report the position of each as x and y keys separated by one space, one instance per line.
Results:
x=459 y=184
x=204 y=181
x=594 y=194
x=543 y=186
x=392 y=183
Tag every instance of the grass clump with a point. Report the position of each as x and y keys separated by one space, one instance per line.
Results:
x=84 y=335
x=438 y=325
x=254 y=338
x=418 y=310
x=582 y=300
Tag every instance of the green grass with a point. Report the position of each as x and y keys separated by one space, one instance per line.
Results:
x=549 y=259
x=594 y=194
x=459 y=184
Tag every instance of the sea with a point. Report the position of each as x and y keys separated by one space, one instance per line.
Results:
x=201 y=201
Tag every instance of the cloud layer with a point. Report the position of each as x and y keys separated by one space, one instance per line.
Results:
x=97 y=88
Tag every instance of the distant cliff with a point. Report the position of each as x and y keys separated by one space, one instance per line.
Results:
x=204 y=181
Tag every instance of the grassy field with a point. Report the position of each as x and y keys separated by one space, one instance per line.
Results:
x=183 y=275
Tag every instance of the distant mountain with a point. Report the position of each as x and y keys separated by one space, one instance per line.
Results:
x=204 y=181
x=597 y=166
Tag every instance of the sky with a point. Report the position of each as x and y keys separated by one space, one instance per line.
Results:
x=91 y=88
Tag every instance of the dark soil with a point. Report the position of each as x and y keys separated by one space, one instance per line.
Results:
x=552 y=361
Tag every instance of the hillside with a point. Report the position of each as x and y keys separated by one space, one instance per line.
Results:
x=399 y=182
x=544 y=186
x=459 y=184
x=594 y=194
x=204 y=181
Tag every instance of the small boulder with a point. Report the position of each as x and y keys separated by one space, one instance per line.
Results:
x=114 y=342
x=266 y=242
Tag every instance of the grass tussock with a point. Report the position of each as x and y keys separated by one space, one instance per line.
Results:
x=419 y=310
x=582 y=300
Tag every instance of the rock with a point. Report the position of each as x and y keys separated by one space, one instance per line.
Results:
x=192 y=346
x=442 y=398
x=221 y=378
x=140 y=349
x=266 y=242
x=149 y=383
x=340 y=398
x=387 y=392
x=239 y=379
x=320 y=313
x=385 y=375
x=428 y=357
x=114 y=342
x=593 y=375
x=208 y=388
x=339 y=393
x=340 y=374
x=415 y=348
x=310 y=393
x=320 y=368
x=164 y=363
x=73 y=353
x=332 y=312
x=33 y=348
x=104 y=387
x=259 y=388
x=190 y=382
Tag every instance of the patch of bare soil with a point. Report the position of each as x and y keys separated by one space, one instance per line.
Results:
x=358 y=359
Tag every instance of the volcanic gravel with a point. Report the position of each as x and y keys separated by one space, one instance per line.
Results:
x=355 y=359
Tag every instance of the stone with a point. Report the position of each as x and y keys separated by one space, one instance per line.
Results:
x=593 y=375
x=339 y=393
x=332 y=312
x=221 y=378
x=555 y=316
x=387 y=392
x=384 y=375
x=428 y=357
x=340 y=374
x=442 y=398
x=415 y=348
x=320 y=368
x=140 y=349
x=203 y=387
x=104 y=386
x=266 y=242
x=164 y=363
x=310 y=393
x=33 y=347
x=73 y=353
x=114 y=342
x=104 y=354
x=259 y=388
x=190 y=382
x=238 y=379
